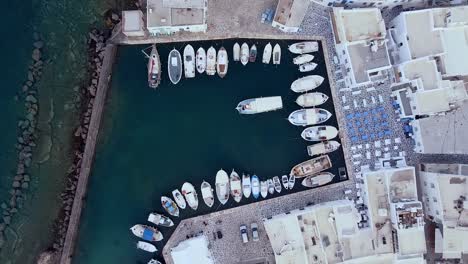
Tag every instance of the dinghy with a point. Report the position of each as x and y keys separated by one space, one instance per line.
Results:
x=260 y=105
x=222 y=66
x=147 y=233
x=222 y=186
x=236 y=186
x=277 y=54
x=291 y=182
x=319 y=133
x=244 y=54
x=301 y=59
x=311 y=167
x=160 y=220
x=307 y=83
x=318 y=180
x=307 y=67
x=285 y=181
x=255 y=186
x=310 y=116
x=246 y=185
x=311 y=99
x=170 y=206
x=207 y=193
x=174 y=66
x=277 y=184
x=323 y=148
x=211 y=61
x=179 y=199
x=148 y=247
x=153 y=261
x=253 y=53
x=271 y=186
x=304 y=47
x=201 y=60
x=236 y=52
x=188 y=191
x=267 y=53
x=189 y=61
x=154 y=68
x=264 y=189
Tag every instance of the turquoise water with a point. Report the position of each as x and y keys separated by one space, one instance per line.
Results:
x=154 y=141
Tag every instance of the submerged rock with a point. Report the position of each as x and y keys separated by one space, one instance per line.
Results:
x=36 y=55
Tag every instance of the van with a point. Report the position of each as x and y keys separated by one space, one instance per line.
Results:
x=244 y=236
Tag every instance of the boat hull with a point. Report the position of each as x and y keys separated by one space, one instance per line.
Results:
x=201 y=60
x=307 y=83
x=190 y=195
x=317 y=180
x=244 y=56
x=277 y=54
x=236 y=52
x=211 y=61
x=222 y=186
x=260 y=105
x=267 y=51
x=255 y=187
x=311 y=99
x=301 y=59
x=170 y=206
x=311 y=167
x=307 y=117
x=189 y=61
x=174 y=66
x=319 y=133
x=207 y=193
x=304 y=47
x=154 y=68
x=246 y=186
x=264 y=189
x=307 y=67
x=323 y=148
x=236 y=186
x=253 y=53
x=222 y=65
x=147 y=233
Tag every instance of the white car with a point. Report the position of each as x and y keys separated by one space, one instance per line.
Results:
x=254 y=228
x=244 y=236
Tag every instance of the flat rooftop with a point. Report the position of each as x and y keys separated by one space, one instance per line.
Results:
x=359 y=24
x=291 y=12
x=165 y=13
x=455 y=59
x=431 y=102
x=423 y=40
x=423 y=69
x=364 y=60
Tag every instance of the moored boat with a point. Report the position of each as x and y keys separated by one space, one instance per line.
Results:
x=260 y=105
x=236 y=52
x=309 y=116
x=277 y=184
x=267 y=53
x=211 y=61
x=222 y=186
x=153 y=261
x=304 y=47
x=277 y=54
x=179 y=199
x=255 y=187
x=253 y=53
x=201 y=60
x=318 y=180
x=323 y=147
x=207 y=193
x=264 y=189
x=311 y=99
x=307 y=67
x=170 y=206
x=189 y=61
x=154 y=68
x=222 y=65
x=148 y=247
x=284 y=181
x=319 y=133
x=246 y=185
x=307 y=83
x=291 y=182
x=301 y=59
x=147 y=233
x=244 y=54
x=311 y=167
x=236 y=186
x=174 y=66
x=159 y=219
x=271 y=186
x=188 y=191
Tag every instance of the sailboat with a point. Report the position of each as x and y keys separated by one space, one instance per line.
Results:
x=189 y=61
x=244 y=54
x=154 y=68
x=147 y=233
x=159 y=219
x=267 y=53
x=222 y=186
x=277 y=54
x=211 y=61
x=222 y=66
x=255 y=186
x=246 y=185
x=179 y=199
x=236 y=187
x=271 y=186
x=188 y=191
x=201 y=60
x=264 y=189
x=236 y=52
x=291 y=182
x=207 y=193
x=285 y=181
x=169 y=205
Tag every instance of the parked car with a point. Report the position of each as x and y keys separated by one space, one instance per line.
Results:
x=244 y=235
x=254 y=228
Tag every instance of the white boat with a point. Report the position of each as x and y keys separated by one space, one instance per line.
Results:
x=307 y=83
x=246 y=185
x=323 y=147
x=188 y=191
x=319 y=133
x=271 y=186
x=311 y=99
x=170 y=206
x=311 y=167
x=264 y=189
x=304 y=47
x=307 y=67
x=318 y=180
x=153 y=261
x=285 y=181
x=207 y=193
x=260 y=105
x=255 y=187
x=189 y=61
x=211 y=61
x=301 y=59
x=236 y=186
x=244 y=55
x=154 y=68
x=253 y=53
x=277 y=184
x=267 y=53
x=159 y=219
x=277 y=54
x=236 y=52
x=174 y=66
x=179 y=199
x=222 y=66
x=291 y=182
x=148 y=247
x=222 y=186
x=201 y=60
x=309 y=116
x=147 y=233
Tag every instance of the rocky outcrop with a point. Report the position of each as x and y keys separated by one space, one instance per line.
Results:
x=48 y=257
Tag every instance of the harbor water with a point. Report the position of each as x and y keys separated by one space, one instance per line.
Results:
x=152 y=141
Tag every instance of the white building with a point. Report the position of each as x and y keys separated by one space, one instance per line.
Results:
x=290 y=14
x=171 y=16
x=381 y=4
x=193 y=250
x=132 y=23
x=445 y=192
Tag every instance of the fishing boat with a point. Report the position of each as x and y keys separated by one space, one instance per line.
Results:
x=307 y=67
x=319 y=133
x=179 y=199
x=307 y=83
x=222 y=186
x=147 y=233
x=318 y=180
x=323 y=148
x=244 y=54
x=174 y=66
x=236 y=186
x=159 y=219
x=211 y=61
x=291 y=182
x=148 y=247
x=207 y=193
x=201 y=60
x=253 y=53
x=255 y=186
x=267 y=53
x=153 y=261
x=223 y=62
x=271 y=186
x=246 y=185
x=260 y=105
x=310 y=116
x=277 y=184
x=301 y=59
x=304 y=47
x=188 y=191
x=311 y=99
x=311 y=167
x=236 y=52
x=170 y=206
x=264 y=189
x=154 y=68
x=189 y=61
x=277 y=54
x=285 y=181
